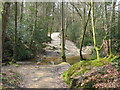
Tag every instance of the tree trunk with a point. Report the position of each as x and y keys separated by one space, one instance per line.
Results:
x=63 y=38
x=21 y=17
x=106 y=47
x=106 y=42
x=84 y=31
x=77 y=10
x=119 y=22
x=5 y=16
x=46 y=16
x=112 y=21
x=93 y=28
x=52 y=20
x=66 y=21
x=15 y=37
x=34 y=27
x=118 y=28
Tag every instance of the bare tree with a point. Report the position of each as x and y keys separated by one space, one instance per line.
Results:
x=84 y=32
x=5 y=15
x=34 y=26
x=52 y=19
x=112 y=21
x=15 y=37
x=106 y=42
x=93 y=29
x=63 y=36
x=85 y=23
x=119 y=21
x=21 y=17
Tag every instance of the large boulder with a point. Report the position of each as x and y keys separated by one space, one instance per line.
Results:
x=88 y=50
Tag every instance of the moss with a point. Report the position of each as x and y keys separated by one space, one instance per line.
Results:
x=100 y=62
x=67 y=75
x=115 y=58
x=82 y=67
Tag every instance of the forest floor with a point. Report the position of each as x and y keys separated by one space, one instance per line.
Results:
x=33 y=75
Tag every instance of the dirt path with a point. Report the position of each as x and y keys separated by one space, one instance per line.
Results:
x=41 y=76
x=54 y=48
x=70 y=48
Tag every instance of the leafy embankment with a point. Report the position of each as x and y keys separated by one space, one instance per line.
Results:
x=102 y=73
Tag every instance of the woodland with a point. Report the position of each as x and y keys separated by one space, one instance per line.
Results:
x=60 y=44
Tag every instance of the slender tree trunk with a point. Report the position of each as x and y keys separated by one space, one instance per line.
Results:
x=77 y=10
x=73 y=24
x=112 y=21
x=52 y=20
x=59 y=18
x=119 y=22
x=84 y=31
x=93 y=28
x=118 y=28
x=106 y=42
x=46 y=16
x=66 y=20
x=63 y=38
x=1 y=38
x=81 y=43
x=5 y=16
x=21 y=17
x=15 y=37
x=34 y=26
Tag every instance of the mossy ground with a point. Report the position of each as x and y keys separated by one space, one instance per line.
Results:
x=84 y=66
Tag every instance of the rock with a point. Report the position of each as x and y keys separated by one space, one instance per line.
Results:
x=38 y=63
x=88 y=50
x=63 y=63
x=24 y=62
x=40 y=59
x=51 y=62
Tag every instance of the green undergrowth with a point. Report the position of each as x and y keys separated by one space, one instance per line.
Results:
x=85 y=66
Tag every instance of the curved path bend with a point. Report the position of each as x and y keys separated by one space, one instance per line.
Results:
x=70 y=47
